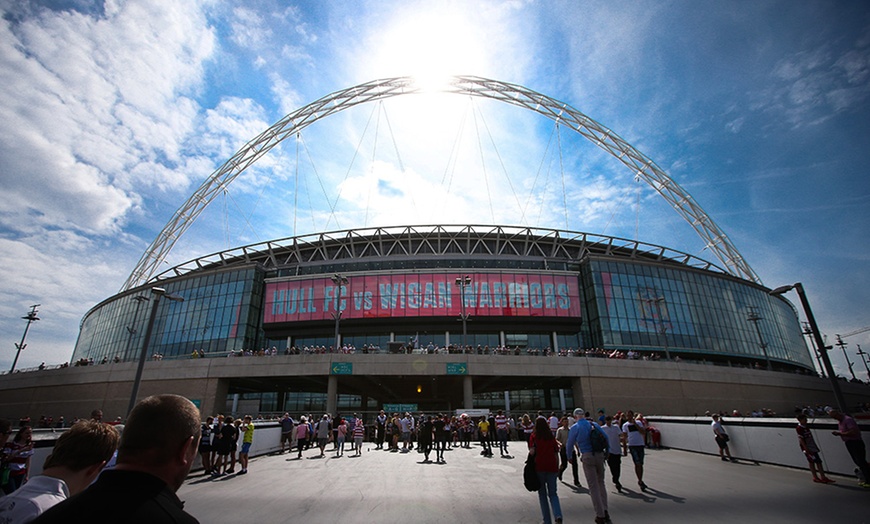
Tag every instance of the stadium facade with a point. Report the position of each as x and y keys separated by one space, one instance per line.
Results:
x=525 y=292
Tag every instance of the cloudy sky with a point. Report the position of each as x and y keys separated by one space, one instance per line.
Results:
x=112 y=113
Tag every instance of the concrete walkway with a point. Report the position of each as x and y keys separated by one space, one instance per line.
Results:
x=384 y=487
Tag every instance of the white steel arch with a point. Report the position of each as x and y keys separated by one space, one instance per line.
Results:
x=517 y=95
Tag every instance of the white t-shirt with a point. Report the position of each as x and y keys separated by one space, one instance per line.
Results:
x=632 y=430
x=32 y=499
x=613 y=444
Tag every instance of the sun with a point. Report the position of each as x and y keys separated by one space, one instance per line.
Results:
x=430 y=46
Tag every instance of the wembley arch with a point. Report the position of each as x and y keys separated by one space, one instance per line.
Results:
x=640 y=165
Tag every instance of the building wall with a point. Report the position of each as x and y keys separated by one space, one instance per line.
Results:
x=663 y=388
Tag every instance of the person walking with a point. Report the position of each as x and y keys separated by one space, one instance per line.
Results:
x=635 y=435
x=614 y=442
x=722 y=439
x=544 y=447
x=301 y=435
x=593 y=463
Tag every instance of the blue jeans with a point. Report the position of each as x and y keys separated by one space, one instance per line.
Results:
x=548 y=491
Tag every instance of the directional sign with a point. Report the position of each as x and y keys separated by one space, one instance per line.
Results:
x=401 y=408
x=457 y=368
x=341 y=368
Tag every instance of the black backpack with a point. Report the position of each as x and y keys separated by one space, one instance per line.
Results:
x=598 y=439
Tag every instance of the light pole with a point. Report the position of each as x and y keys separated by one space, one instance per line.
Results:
x=340 y=281
x=462 y=282
x=864 y=360
x=842 y=345
x=30 y=318
x=658 y=314
x=132 y=329
x=809 y=333
x=157 y=292
x=754 y=318
x=820 y=343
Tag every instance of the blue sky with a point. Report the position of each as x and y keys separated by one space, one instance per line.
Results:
x=113 y=113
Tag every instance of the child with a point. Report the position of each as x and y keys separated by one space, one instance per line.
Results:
x=811 y=450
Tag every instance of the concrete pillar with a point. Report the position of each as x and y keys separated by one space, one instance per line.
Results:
x=577 y=390
x=235 y=410
x=507 y=401
x=331 y=394
x=446 y=338
x=501 y=338
x=467 y=393
x=554 y=338
x=562 y=406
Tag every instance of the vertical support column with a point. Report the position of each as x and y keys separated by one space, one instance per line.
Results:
x=507 y=401
x=446 y=339
x=467 y=393
x=235 y=412
x=554 y=338
x=562 y=406
x=501 y=339
x=577 y=390
x=331 y=394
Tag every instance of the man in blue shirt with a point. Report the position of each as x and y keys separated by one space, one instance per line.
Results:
x=593 y=463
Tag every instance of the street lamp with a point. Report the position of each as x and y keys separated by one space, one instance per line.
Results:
x=157 y=292
x=462 y=282
x=754 y=318
x=340 y=281
x=30 y=318
x=820 y=343
x=132 y=329
x=809 y=333
x=664 y=329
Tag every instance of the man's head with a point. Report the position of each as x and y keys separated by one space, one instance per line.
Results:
x=5 y=430
x=578 y=413
x=802 y=418
x=716 y=417
x=97 y=415
x=834 y=413
x=84 y=449
x=161 y=436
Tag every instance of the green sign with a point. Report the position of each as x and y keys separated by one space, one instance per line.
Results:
x=196 y=402
x=341 y=368
x=400 y=408
x=457 y=368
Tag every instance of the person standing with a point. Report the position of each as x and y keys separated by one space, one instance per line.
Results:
x=614 y=447
x=593 y=463
x=359 y=433
x=811 y=450
x=247 y=441
x=483 y=433
x=635 y=437
x=850 y=433
x=287 y=425
x=424 y=439
x=301 y=435
x=722 y=438
x=79 y=455
x=323 y=430
x=158 y=447
x=17 y=453
x=381 y=427
x=544 y=447
x=205 y=444
x=501 y=429
x=341 y=436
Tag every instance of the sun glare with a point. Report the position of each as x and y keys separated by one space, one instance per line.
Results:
x=431 y=47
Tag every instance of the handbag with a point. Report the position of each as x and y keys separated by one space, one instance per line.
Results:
x=530 y=475
x=725 y=437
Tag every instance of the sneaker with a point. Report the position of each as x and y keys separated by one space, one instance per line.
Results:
x=619 y=487
x=828 y=481
x=242 y=472
x=724 y=459
x=643 y=486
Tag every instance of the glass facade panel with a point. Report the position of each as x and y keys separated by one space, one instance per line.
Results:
x=214 y=316
x=650 y=308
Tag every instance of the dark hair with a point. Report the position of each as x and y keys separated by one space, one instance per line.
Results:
x=20 y=433
x=157 y=426
x=542 y=430
x=86 y=443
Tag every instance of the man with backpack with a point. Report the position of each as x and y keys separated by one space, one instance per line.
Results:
x=592 y=443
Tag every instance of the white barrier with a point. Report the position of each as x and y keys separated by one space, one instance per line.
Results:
x=768 y=440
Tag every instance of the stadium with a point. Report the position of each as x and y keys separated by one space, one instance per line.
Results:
x=440 y=317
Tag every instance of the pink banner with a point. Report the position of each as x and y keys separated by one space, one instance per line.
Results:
x=424 y=295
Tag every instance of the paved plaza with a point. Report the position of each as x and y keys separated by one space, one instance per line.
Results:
x=384 y=487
